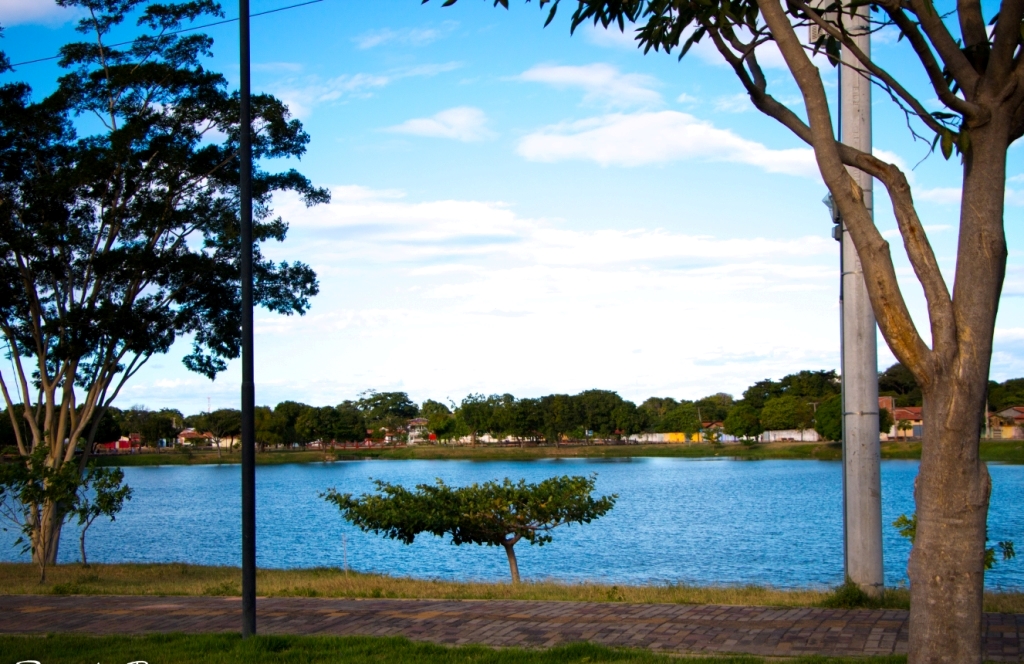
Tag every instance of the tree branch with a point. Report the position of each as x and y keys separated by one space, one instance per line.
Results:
x=1005 y=42
x=959 y=66
x=880 y=275
x=890 y=82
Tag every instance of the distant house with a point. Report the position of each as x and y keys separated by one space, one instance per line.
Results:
x=1008 y=424
x=128 y=443
x=192 y=437
x=914 y=424
x=418 y=430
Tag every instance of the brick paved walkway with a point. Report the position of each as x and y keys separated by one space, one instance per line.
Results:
x=666 y=627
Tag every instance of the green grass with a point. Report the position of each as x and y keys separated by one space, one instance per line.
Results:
x=231 y=649
x=196 y=580
x=485 y=453
x=1001 y=451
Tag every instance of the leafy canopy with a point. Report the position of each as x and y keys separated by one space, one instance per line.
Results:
x=492 y=513
x=119 y=211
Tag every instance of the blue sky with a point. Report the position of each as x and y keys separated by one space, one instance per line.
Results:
x=518 y=210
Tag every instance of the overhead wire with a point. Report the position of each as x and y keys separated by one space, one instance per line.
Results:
x=176 y=32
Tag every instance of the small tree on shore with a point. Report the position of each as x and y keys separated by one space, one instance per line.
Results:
x=490 y=514
x=107 y=499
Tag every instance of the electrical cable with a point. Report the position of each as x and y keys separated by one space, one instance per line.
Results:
x=175 y=32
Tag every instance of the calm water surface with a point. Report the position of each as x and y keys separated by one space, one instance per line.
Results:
x=698 y=521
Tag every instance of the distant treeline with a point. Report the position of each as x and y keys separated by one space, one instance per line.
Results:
x=803 y=400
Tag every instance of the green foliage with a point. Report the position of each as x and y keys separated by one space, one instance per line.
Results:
x=491 y=514
x=743 y=421
x=27 y=482
x=440 y=419
x=760 y=392
x=684 y=417
x=388 y=410
x=1004 y=395
x=101 y=493
x=714 y=408
x=120 y=235
x=351 y=426
x=222 y=423
x=344 y=423
x=787 y=412
x=899 y=383
x=828 y=418
x=850 y=596
x=885 y=420
x=152 y=426
x=907 y=527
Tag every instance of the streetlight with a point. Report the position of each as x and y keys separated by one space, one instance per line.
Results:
x=248 y=382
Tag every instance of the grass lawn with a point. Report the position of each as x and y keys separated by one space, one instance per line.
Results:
x=1003 y=451
x=180 y=579
x=231 y=649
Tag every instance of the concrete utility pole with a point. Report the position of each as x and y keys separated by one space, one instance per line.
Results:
x=862 y=483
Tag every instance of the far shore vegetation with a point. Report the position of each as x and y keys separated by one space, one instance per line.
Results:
x=196 y=580
x=1003 y=451
x=232 y=649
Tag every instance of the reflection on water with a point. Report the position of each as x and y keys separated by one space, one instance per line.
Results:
x=698 y=521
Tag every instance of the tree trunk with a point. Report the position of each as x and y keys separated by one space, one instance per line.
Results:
x=513 y=566
x=947 y=563
x=46 y=539
x=946 y=567
x=81 y=543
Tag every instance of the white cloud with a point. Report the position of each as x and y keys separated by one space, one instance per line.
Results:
x=686 y=99
x=611 y=36
x=463 y=123
x=658 y=137
x=938 y=194
x=45 y=12
x=738 y=103
x=404 y=36
x=943 y=195
x=533 y=306
x=601 y=83
x=303 y=95
x=1013 y=197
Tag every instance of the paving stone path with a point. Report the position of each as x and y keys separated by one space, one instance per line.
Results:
x=664 y=627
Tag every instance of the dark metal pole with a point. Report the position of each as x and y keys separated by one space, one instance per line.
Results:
x=248 y=383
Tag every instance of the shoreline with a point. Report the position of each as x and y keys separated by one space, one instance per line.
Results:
x=180 y=579
x=1011 y=452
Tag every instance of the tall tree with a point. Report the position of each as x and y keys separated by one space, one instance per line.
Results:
x=898 y=382
x=973 y=66
x=559 y=416
x=811 y=383
x=388 y=410
x=120 y=240
x=743 y=421
x=351 y=424
x=320 y=424
x=476 y=412
x=1006 y=394
x=787 y=412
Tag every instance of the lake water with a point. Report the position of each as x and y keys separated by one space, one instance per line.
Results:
x=700 y=521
